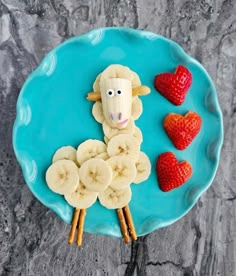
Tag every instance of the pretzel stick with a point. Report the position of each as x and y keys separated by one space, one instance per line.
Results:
x=94 y=96
x=123 y=225
x=81 y=227
x=73 y=226
x=130 y=222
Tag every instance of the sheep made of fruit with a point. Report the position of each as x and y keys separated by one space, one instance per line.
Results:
x=117 y=106
x=106 y=170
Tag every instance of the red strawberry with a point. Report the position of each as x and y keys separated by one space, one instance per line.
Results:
x=172 y=174
x=182 y=129
x=174 y=87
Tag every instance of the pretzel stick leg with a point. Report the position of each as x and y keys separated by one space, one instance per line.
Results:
x=81 y=227
x=123 y=225
x=73 y=226
x=130 y=222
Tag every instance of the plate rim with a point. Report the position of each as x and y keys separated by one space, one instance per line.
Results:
x=141 y=34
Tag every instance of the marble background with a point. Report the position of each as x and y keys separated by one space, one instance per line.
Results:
x=32 y=238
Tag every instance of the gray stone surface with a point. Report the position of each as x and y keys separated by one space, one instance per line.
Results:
x=32 y=238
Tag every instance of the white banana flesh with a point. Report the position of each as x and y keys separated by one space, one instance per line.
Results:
x=81 y=198
x=106 y=140
x=114 y=199
x=89 y=149
x=137 y=108
x=104 y=156
x=97 y=112
x=95 y=174
x=111 y=132
x=124 y=171
x=116 y=94
x=62 y=177
x=138 y=135
x=66 y=152
x=124 y=145
x=143 y=168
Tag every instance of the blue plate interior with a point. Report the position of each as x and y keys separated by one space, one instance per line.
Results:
x=52 y=111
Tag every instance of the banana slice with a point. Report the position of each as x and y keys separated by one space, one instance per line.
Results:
x=95 y=174
x=62 y=177
x=143 y=167
x=113 y=199
x=90 y=149
x=124 y=171
x=117 y=71
x=96 y=84
x=138 y=135
x=124 y=145
x=136 y=80
x=97 y=112
x=111 y=132
x=67 y=152
x=137 y=108
x=104 y=156
x=82 y=197
x=106 y=140
x=112 y=71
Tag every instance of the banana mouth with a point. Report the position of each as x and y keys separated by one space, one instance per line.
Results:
x=123 y=122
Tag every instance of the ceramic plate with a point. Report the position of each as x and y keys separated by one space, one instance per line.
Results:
x=52 y=111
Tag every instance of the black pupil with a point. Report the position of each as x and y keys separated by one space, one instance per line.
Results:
x=119 y=92
x=110 y=92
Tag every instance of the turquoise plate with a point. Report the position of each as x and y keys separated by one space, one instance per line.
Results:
x=52 y=111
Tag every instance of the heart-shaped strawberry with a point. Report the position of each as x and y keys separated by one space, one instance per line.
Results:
x=182 y=129
x=174 y=87
x=172 y=174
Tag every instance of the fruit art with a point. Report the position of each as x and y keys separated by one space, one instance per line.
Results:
x=105 y=170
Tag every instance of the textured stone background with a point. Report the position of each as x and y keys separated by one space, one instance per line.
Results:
x=32 y=238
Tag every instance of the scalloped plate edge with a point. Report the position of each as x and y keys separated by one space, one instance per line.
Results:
x=86 y=37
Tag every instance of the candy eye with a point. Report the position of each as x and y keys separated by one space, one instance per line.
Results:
x=110 y=93
x=119 y=92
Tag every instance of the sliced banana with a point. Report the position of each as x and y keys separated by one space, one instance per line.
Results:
x=66 y=152
x=106 y=140
x=143 y=167
x=90 y=149
x=108 y=131
x=96 y=84
x=138 y=135
x=117 y=71
x=124 y=145
x=111 y=132
x=137 y=108
x=81 y=198
x=113 y=199
x=104 y=156
x=95 y=174
x=124 y=171
x=97 y=112
x=136 y=80
x=62 y=177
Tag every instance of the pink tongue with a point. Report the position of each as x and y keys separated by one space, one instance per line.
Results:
x=123 y=122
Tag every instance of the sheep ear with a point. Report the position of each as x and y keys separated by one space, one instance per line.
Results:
x=94 y=96
x=140 y=91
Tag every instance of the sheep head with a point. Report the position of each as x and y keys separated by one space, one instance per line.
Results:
x=114 y=87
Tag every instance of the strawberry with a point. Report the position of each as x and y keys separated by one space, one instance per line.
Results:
x=174 y=87
x=182 y=129
x=172 y=174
